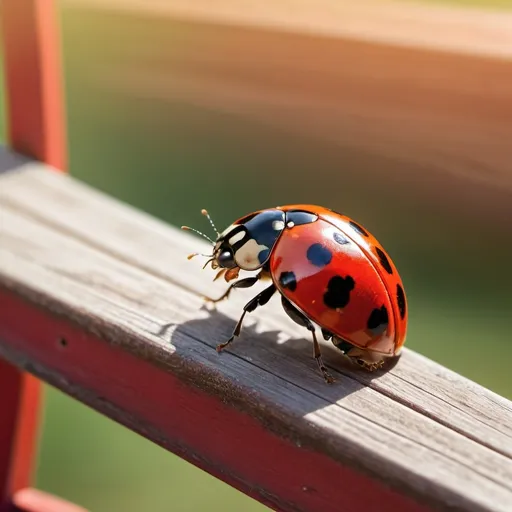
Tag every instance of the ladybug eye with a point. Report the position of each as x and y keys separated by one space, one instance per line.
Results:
x=225 y=259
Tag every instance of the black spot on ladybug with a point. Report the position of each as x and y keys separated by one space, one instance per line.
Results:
x=340 y=239
x=299 y=217
x=384 y=260
x=319 y=255
x=288 y=280
x=378 y=321
x=400 y=297
x=358 y=228
x=338 y=291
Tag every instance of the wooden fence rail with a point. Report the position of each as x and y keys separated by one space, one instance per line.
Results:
x=99 y=300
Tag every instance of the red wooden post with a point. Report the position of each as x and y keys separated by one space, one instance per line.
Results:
x=35 y=128
x=35 y=105
x=18 y=429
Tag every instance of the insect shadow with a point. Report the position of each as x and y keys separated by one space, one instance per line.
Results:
x=255 y=354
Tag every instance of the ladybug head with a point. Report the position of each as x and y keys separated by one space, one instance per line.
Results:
x=247 y=243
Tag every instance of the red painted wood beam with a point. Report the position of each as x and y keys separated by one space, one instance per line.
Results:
x=35 y=127
x=231 y=444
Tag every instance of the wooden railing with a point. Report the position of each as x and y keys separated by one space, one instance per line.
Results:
x=99 y=300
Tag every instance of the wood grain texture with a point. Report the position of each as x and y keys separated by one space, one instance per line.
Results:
x=78 y=266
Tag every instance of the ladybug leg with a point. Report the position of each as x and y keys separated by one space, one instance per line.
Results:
x=363 y=358
x=326 y=334
x=260 y=300
x=318 y=358
x=243 y=283
x=304 y=321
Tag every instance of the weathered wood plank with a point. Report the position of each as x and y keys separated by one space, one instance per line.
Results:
x=109 y=278
x=80 y=208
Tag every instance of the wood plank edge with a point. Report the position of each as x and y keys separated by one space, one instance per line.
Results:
x=38 y=176
x=435 y=417
x=436 y=490
x=208 y=381
x=361 y=378
x=303 y=478
x=38 y=300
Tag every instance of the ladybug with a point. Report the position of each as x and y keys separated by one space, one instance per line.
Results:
x=330 y=272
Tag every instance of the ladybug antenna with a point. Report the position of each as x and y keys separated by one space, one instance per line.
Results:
x=186 y=228
x=194 y=254
x=207 y=215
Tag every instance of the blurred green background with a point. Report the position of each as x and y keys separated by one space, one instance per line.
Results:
x=157 y=145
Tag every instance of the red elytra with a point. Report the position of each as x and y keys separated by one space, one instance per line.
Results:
x=329 y=270
x=356 y=254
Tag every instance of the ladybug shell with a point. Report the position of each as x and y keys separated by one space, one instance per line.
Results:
x=338 y=275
